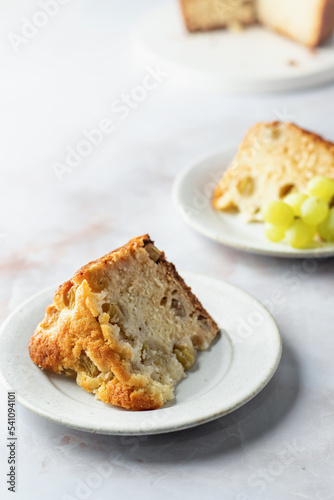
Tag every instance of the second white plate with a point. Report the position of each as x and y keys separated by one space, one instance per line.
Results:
x=239 y=364
x=192 y=194
x=254 y=60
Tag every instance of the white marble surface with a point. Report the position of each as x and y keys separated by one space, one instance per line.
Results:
x=64 y=80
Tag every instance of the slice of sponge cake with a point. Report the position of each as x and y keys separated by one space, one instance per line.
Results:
x=126 y=327
x=273 y=160
x=307 y=21
x=203 y=15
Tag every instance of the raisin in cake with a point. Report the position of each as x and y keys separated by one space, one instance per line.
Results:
x=307 y=21
x=273 y=160
x=125 y=326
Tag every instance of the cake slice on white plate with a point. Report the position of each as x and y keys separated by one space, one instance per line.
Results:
x=125 y=326
x=273 y=160
x=307 y=21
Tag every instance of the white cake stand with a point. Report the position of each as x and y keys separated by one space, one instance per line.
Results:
x=253 y=60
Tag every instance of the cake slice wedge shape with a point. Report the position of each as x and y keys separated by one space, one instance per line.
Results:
x=126 y=327
x=273 y=160
x=309 y=22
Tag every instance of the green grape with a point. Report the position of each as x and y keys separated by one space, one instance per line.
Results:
x=295 y=200
x=274 y=233
x=278 y=213
x=321 y=187
x=313 y=211
x=298 y=235
x=326 y=228
x=313 y=231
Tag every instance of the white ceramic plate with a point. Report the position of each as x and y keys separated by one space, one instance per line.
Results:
x=254 y=60
x=192 y=193
x=233 y=371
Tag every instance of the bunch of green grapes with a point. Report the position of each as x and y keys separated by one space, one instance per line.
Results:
x=300 y=217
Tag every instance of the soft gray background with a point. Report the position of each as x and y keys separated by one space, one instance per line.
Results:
x=64 y=80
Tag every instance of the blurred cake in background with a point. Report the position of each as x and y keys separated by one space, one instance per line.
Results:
x=204 y=15
x=307 y=21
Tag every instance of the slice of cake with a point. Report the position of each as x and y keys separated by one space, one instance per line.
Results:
x=273 y=160
x=126 y=327
x=307 y=21
x=203 y=15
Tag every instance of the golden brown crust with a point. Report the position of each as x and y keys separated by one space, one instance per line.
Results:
x=70 y=332
x=199 y=24
x=119 y=394
x=119 y=253
x=223 y=199
x=113 y=256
